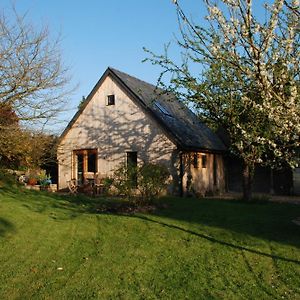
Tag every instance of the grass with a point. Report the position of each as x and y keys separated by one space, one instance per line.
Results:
x=60 y=247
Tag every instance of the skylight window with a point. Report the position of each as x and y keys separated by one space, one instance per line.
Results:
x=162 y=109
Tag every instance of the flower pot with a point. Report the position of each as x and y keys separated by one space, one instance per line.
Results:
x=32 y=181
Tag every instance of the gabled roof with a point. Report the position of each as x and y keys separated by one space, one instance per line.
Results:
x=178 y=122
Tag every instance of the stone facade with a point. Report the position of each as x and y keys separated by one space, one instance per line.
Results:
x=103 y=135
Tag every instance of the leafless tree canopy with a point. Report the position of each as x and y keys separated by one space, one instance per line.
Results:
x=33 y=79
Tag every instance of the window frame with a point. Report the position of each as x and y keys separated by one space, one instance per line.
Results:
x=85 y=153
x=111 y=100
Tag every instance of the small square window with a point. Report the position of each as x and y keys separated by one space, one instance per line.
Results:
x=204 y=161
x=110 y=100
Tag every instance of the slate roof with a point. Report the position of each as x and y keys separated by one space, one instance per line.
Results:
x=178 y=122
x=174 y=116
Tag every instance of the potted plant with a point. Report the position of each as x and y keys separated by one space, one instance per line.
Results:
x=32 y=177
x=44 y=180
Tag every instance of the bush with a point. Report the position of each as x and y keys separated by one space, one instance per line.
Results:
x=8 y=179
x=152 y=179
x=123 y=178
x=108 y=183
x=148 y=179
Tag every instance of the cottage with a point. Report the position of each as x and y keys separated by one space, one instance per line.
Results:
x=125 y=119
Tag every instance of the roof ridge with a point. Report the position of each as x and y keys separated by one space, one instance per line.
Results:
x=138 y=79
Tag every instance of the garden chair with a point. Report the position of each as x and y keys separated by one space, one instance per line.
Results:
x=99 y=187
x=73 y=187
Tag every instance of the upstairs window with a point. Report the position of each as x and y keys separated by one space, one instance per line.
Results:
x=110 y=100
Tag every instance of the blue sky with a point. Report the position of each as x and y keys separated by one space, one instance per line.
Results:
x=98 y=34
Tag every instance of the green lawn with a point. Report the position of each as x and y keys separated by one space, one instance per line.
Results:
x=57 y=247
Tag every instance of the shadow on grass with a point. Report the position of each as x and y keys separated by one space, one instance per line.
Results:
x=6 y=227
x=65 y=205
x=217 y=241
x=268 y=221
x=265 y=220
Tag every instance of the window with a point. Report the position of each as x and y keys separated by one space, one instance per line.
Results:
x=110 y=100
x=204 y=161
x=131 y=167
x=80 y=162
x=195 y=161
x=162 y=109
x=92 y=162
x=85 y=163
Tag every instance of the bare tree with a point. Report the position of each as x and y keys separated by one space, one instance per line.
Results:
x=34 y=87
x=33 y=79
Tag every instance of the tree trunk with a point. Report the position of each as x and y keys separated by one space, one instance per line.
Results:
x=272 y=182
x=248 y=174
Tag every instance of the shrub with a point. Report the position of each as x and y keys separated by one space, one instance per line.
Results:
x=148 y=179
x=123 y=180
x=108 y=183
x=152 y=179
x=7 y=178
